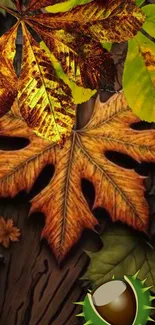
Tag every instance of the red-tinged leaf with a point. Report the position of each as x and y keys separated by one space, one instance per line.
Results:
x=8 y=77
x=117 y=22
x=38 y=4
x=18 y=4
x=83 y=60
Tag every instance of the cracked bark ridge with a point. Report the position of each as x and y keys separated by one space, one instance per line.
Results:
x=34 y=290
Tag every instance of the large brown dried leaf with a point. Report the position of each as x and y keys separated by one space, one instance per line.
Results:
x=119 y=190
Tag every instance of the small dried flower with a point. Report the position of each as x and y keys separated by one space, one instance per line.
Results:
x=8 y=232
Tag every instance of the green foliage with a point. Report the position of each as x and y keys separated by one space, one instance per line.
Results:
x=139 y=2
x=123 y=253
x=107 y=46
x=149 y=25
x=139 y=77
x=139 y=72
x=66 y=5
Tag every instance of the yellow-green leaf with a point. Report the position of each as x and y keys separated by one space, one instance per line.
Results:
x=66 y=5
x=139 y=2
x=107 y=46
x=139 y=77
x=149 y=24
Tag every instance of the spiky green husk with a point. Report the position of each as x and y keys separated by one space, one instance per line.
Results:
x=143 y=304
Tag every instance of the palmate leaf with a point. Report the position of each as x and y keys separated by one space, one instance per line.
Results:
x=87 y=65
x=123 y=253
x=119 y=190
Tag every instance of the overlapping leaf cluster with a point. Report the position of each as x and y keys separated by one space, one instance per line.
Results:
x=63 y=64
x=54 y=76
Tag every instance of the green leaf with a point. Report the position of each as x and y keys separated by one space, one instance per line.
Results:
x=66 y=5
x=107 y=46
x=123 y=253
x=149 y=24
x=139 y=2
x=139 y=77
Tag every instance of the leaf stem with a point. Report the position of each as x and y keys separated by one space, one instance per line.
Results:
x=12 y=12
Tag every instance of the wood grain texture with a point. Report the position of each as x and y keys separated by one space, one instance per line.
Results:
x=33 y=289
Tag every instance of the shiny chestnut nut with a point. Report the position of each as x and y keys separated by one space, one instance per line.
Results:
x=118 y=302
x=115 y=302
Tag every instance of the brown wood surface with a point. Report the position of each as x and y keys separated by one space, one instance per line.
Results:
x=33 y=289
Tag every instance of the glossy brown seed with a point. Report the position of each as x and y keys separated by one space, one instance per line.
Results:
x=115 y=302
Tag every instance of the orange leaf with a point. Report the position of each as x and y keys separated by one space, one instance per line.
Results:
x=120 y=191
x=8 y=232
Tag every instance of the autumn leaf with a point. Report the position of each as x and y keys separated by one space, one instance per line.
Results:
x=37 y=4
x=123 y=253
x=8 y=232
x=140 y=58
x=120 y=191
x=97 y=20
x=45 y=94
x=8 y=78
